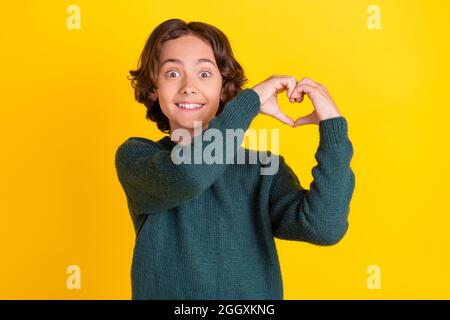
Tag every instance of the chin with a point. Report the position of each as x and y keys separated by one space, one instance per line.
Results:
x=189 y=124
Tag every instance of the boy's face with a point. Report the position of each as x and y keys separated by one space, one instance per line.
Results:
x=191 y=77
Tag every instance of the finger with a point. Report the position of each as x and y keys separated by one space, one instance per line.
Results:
x=309 y=81
x=308 y=119
x=298 y=96
x=284 y=118
x=287 y=83
x=306 y=88
x=292 y=83
x=298 y=100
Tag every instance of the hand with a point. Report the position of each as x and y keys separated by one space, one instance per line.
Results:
x=324 y=106
x=268 y=91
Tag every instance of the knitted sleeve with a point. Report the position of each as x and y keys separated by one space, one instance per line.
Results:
x=148 y=173
x=318 y=215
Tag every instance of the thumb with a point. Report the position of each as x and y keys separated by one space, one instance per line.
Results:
x=309 y=119
x=283 y=118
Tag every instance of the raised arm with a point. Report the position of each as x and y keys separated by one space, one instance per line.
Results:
x=318 y=215
x=148 y=172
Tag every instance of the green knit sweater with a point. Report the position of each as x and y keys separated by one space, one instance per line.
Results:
x=206 y=231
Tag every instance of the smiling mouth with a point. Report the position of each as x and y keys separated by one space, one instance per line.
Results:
x=190 y=106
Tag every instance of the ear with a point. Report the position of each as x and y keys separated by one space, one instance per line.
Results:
x=154 y=95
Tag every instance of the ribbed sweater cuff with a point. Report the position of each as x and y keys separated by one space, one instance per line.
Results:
x=333 y=130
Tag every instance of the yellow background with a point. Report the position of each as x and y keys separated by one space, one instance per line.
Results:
x=66 y=105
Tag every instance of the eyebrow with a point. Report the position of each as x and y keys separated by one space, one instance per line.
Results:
x=175 y=60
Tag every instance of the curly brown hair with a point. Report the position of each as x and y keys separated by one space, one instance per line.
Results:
x=143 y=79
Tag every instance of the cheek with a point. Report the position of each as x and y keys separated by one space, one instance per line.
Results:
x=165 y=110
x=165 y=102
x=165 y=95
x=216 y=91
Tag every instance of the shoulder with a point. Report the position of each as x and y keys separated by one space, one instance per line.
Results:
x=133 y=146
x=140 y=141
x=137 y=142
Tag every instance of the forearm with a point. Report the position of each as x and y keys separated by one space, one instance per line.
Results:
x=226 y=131
x=151 y=172
x=320 y=215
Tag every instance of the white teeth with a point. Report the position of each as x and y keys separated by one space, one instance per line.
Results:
x=189 y=105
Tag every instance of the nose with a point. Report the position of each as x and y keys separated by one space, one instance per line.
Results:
x=188 y=86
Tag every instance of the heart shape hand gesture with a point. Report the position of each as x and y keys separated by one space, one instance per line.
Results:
x=268 y=90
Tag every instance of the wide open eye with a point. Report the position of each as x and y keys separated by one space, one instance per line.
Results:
x=168 y=73
x=205 y=72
